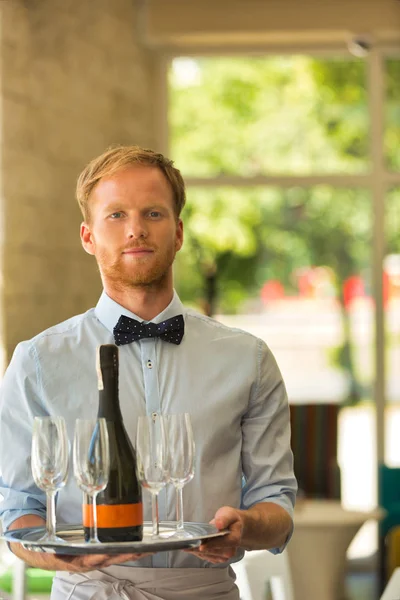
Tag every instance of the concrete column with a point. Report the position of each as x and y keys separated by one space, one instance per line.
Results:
x=74 y=80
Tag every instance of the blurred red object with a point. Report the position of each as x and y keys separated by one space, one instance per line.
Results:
x=272 y=290
x=387 y=288
x=353 y=287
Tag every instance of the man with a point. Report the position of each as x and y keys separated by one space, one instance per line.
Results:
x=131 y=200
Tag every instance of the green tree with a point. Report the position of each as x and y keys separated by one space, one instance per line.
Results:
x=249 y=116
x=392 y=114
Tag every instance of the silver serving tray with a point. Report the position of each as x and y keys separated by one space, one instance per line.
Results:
x=72 y=539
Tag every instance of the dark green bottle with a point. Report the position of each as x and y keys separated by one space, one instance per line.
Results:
x=119 y=506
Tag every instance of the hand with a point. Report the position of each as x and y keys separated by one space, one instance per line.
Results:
x=91 y=562
x=60 y=562
x=221 y=549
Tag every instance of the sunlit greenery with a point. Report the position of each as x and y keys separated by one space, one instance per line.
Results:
x=280 y=115
x=269 y=115
x=259 y=234
x=392 y=113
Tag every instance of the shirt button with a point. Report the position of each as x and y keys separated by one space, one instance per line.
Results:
x=154 y=416
x=149 y=364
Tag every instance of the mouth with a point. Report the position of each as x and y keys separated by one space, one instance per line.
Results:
x=138 y=251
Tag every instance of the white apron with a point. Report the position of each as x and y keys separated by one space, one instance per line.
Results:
x=124 y=583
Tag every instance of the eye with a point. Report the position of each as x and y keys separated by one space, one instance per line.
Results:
x=154 y=214
x=116 y=215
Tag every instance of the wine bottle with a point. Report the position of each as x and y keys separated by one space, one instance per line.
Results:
x=119 y=505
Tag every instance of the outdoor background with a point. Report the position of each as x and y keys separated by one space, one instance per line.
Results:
x=292 y=263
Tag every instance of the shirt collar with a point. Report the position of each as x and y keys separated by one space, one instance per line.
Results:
x=108 y=311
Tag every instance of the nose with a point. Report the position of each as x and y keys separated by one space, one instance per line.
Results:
x=137 y=229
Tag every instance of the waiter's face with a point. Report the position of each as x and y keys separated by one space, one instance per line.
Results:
x=133 y=231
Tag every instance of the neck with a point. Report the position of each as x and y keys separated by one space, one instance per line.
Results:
x=144 y=301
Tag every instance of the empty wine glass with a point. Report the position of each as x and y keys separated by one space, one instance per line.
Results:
x=152 y=460
x=91 y=459
x=181 y=460
x=49 y=461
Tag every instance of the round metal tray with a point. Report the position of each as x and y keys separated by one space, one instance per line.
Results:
x=72 y=539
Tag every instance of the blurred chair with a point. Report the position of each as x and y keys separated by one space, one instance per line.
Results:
x=259 y=567
x=392 y=590
x=389 y=500
x=314 y=430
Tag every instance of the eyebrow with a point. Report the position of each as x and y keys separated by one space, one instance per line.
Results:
x=117 y=206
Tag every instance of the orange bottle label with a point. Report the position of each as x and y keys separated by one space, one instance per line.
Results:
x=113 y=515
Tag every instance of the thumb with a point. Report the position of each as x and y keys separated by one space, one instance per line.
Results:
x=226 y=516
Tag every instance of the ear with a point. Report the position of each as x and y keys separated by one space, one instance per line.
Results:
x=87 y=239
x=179 y=235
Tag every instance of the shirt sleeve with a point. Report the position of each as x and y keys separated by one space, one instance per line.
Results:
x=19 y=404
x=267 y=459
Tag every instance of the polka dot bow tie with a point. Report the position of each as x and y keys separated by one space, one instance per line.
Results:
x=129 y=330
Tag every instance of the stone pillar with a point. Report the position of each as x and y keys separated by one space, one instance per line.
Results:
x=74 y=80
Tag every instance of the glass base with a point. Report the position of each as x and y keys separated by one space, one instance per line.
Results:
x=180 y=534
x=51 y=539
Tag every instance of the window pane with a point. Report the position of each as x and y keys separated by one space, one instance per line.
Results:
x=276 y=115
x=293 y=267
x=392 y=114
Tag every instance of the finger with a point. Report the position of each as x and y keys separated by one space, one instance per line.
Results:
x=72 y=558
x=93 y=559
x=121 y=558
x=223 y=557
x=90 y=565
x=214 y=558
x=216 y=552
x=229 y=541
x=234 y=531
x=131 y=557
x=226 y=516
x=225 y=554
x=105 y=560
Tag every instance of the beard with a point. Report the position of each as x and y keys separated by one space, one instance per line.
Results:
x=126 y=272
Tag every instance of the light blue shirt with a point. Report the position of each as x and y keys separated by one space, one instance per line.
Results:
x=225 y=378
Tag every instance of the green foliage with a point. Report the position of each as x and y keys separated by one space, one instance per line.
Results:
x=341 y=107
x=260 y=115
x=393 y=222
x=281 y=115
x=253 y=235
x=392 y=115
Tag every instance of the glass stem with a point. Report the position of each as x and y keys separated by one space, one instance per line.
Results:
x=179 y=508
x=51 y=514
x=154 y=514
x=93 y=523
